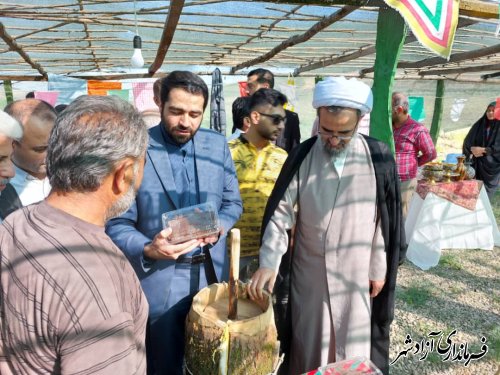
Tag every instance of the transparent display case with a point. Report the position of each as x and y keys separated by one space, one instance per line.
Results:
x=187 y=223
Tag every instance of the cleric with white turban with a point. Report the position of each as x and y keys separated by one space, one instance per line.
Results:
x=342 y=92
x=340 y=191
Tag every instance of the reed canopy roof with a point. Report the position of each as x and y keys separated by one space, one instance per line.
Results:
x=93 y=38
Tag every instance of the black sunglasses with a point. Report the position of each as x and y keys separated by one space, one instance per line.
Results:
x=277 y=119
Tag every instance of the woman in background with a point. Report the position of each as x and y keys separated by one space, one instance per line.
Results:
x=482 y=143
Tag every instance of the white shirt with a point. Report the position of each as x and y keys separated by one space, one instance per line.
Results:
x=29 y=189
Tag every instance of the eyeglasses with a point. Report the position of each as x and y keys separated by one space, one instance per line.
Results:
x=277 y=119
x=341 y=138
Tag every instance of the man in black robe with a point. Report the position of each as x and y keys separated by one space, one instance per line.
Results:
x=388 y=203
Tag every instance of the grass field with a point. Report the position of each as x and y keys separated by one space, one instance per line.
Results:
x=462 y=293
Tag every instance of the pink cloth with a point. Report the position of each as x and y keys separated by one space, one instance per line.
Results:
x=47 y=96
x=414 y=147
x=462 y=193
x=143 y=96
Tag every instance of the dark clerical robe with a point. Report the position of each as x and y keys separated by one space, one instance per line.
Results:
x=386 y=198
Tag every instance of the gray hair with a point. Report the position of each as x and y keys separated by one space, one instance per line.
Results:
x=400 y=99
x=90 y=137
x=10 y=127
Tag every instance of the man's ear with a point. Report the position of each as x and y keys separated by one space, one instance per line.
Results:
x=254 y=117
x=123 y=175
x=157 y=101
x=246 y=123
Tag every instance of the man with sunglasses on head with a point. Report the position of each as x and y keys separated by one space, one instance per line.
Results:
x=340 y=189
x=258 y=162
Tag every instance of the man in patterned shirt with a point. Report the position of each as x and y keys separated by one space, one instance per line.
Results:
x=414 y=146
x=71 y=302
x=258 y=162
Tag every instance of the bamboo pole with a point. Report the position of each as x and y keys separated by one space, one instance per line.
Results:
x=296 y=39
x=362 y=51
x=465 y=69
x=259 y=34
x=15 y=47
x=456 y=57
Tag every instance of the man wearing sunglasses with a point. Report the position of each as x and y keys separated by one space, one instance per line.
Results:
x=289 y=138
x=335 y=288
x=258 y=162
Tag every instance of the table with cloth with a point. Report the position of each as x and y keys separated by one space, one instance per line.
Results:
x=454 y=215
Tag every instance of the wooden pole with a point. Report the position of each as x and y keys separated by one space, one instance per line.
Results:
x=391 y=33
x=297 y=39
x=174 y=13
x=234 y=274
x=438 y=111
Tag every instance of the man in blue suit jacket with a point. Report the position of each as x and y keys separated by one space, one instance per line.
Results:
x=185 y=165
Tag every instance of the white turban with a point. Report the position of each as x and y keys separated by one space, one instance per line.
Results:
x=338 y=91
x=9 y=126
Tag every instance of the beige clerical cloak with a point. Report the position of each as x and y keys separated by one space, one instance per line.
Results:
x=338 y=249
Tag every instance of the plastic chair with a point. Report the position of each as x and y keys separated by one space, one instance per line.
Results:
x=452 y=158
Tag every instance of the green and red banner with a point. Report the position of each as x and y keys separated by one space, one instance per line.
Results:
x=433 y=22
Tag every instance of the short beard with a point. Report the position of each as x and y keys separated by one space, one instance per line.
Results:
x=181 y=140
x=123 y=204
x=334 y=151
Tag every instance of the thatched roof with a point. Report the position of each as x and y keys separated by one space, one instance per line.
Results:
x=322 y=37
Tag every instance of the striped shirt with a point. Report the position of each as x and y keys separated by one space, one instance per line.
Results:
x=257 y=171
x=414 y=147
x=71 y=303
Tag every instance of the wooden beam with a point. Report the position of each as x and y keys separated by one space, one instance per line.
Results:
x=465 y=69
x=479 y=9
x=296 y=39
x=16 y=48
x=88 y=37
x=171 y=22
x=471 y=8
x=492 y=75
x=399 y=77
x=362 y=51
x=259 y=34
x=457 y=57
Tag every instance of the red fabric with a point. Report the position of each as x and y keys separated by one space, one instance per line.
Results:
x=497 y=109
x=411 y=139
x=243 y=88
x=462 y=193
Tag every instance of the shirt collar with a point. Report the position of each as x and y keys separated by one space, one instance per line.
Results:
x=24 y=176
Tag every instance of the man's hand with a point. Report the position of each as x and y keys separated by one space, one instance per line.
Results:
x=161 y=248
x=212 y=239
x=262 y=277
x=376 y=287
x=478 y=151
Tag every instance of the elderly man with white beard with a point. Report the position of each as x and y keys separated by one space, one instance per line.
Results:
x=10 y=130
x=71 y=302
x=340 y=189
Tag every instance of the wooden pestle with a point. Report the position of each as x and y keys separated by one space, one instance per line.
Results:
x=234 y=273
